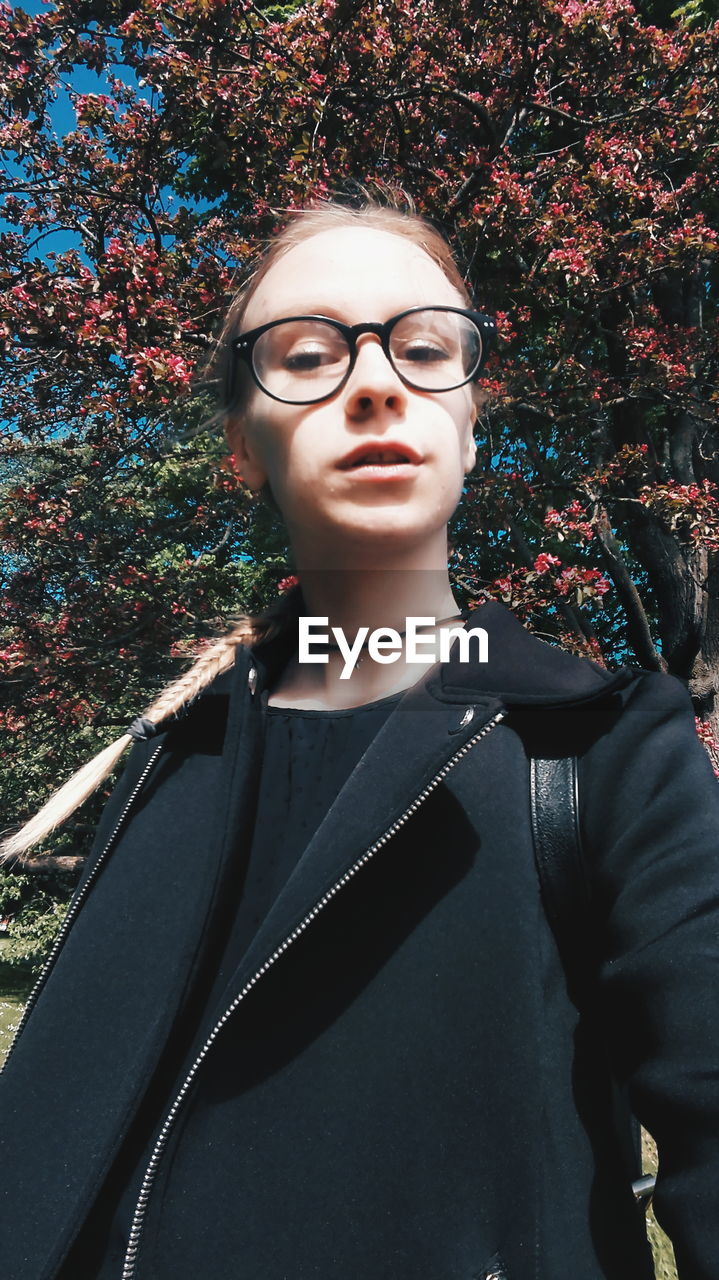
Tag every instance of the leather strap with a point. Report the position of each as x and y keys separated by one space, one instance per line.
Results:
x=554 y=794
x=554 y=785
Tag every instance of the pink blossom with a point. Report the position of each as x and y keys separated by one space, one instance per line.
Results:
x=544 y=562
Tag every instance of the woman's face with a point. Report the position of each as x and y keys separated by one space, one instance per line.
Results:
x=356 y=275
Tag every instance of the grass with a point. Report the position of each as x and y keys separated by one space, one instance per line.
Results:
x=15 y=985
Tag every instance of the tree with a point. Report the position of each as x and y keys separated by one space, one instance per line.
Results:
x=566 y=147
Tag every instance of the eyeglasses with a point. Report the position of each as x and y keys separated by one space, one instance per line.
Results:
x=305 y=359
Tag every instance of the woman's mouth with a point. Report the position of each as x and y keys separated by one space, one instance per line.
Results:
x=381 y=462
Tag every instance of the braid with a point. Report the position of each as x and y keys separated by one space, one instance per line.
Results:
x=213 y=660
x=216 y=658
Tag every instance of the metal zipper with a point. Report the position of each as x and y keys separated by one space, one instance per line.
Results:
x=136 y=1229
x=75 y=906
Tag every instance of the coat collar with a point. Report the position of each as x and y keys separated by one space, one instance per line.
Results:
x=521 y=670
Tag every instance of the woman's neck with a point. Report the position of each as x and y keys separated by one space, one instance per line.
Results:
x=341 y=612
x=359 y=580
x=373 y=598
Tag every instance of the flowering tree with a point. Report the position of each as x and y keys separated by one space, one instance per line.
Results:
x=567 y=147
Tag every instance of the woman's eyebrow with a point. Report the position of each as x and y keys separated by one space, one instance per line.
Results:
x=305 y=309
x=335 y=313
x=339 y=313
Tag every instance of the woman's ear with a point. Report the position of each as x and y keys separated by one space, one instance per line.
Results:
x=470 y=453
x=247 y=462
x=479 y=400
x=470 y=448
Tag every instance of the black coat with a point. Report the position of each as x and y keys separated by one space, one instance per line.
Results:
x=398 y=1084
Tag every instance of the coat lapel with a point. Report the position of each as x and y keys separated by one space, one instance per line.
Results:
x=416 y=742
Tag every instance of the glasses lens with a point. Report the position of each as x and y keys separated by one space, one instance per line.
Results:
x=436 y=350
x=301 y=360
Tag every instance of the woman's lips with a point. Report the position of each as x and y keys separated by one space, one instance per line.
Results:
x=382 y=471
x=380 y=461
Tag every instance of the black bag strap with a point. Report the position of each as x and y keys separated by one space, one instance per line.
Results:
x=554 y=796
x=554 y=789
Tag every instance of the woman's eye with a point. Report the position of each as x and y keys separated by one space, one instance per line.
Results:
x=306 y=360
x=424 y=353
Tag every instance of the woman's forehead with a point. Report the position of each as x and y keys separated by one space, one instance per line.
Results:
x=348 y=272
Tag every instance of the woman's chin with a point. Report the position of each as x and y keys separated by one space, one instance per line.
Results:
x=369 y=535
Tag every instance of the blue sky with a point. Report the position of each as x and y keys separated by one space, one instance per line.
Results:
x=63 y=120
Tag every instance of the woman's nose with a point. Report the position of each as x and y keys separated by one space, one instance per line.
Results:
x=373 y=378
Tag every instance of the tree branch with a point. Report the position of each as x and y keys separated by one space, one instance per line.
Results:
x=638 y=629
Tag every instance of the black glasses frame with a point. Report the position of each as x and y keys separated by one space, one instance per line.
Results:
x=243 y=347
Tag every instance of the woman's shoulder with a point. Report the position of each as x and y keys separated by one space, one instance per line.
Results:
x=523 y=668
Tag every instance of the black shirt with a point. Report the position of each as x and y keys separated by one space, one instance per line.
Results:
x=307 y=758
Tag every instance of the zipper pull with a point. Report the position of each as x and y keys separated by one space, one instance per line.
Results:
x=460 y=719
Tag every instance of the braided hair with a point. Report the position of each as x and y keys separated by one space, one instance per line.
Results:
x=217 y=657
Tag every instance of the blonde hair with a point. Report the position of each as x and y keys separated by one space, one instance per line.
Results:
x=396 y=214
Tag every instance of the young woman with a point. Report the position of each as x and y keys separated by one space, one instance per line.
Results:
x=307 y=1016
